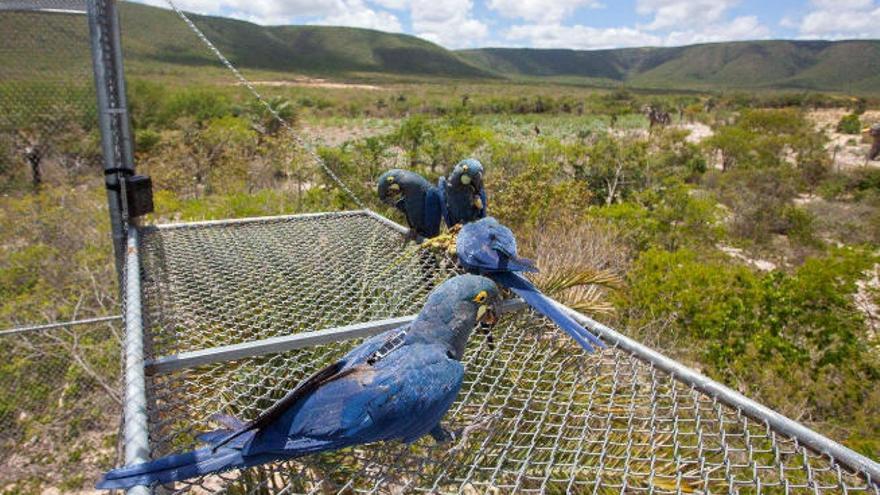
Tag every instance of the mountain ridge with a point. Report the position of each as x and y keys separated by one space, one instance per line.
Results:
x=156 y=43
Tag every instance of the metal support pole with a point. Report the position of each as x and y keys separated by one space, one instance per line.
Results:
x=113 y=118
x=137 y=446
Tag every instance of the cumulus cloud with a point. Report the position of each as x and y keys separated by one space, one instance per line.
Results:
x=840 y=19
x=449 y=23
x=740 y=28
x=579 y=37
x=544 y=11
x=354 y=13
x=269 y=11
x=357 y=14
x=680 y=13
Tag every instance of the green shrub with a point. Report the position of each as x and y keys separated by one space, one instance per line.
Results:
x=794 y=340
x=199 y=104
x=849 y=124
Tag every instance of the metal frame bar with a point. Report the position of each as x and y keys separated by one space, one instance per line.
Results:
x=272 y=345
x=136 y=432
x=60 y=324
x=238 y=221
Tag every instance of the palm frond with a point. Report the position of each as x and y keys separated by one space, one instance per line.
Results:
x=583 y=289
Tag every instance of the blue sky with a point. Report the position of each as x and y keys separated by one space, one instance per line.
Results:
x=580 y=24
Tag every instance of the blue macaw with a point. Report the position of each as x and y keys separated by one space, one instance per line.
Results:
x=397 y=385
x=463 y=195
x=489 y=248
x=415 y=197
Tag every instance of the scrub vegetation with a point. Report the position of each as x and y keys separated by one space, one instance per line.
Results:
x=740 y=243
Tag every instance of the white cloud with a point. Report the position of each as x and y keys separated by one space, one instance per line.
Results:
x=740 y=28
x=841 y=19
x=542 y=11
x=392 y=4
x=449 y=23
x=353 y=13
x=671 y=23
x=356 y=14
x=579 y=36
x=268 y=11
x=683 y=13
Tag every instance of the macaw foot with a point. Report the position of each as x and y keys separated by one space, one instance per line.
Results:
x=441 y=434
x=461 y=436
x=443 y=243
x=486 y=330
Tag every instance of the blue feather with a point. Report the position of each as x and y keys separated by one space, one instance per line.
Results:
x=489 y=248
x=540 y=303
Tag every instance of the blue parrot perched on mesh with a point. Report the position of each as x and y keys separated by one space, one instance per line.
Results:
x=397 y=385
x=489 y=248
x=463 y=194
x=415 y=197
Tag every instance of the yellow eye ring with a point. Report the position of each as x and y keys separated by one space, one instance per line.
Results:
x=389 y=179
x=481 y=297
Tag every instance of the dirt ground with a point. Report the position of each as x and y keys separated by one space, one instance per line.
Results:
x=307 y=82
x=848 y=151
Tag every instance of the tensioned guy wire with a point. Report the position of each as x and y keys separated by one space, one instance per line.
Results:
x=246 y=83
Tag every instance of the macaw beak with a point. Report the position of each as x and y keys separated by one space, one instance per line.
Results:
x=866 y=130
x=477 y=182
x=391 y=194
x=487 y=315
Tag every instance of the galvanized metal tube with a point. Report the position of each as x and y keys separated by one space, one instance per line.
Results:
x=103 y=87
x=121 y=111
x=754 y=410
x=60 y=324
x=135 y=431
x=235 y=221
x=272 y=345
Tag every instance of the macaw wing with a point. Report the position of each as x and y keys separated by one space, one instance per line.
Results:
x=474 y=248
x=433 y=211
x=271 y=414
x=444 y=209
x=402 y=396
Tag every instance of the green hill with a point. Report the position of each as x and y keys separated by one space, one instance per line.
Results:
x=159 y=35
x=825 y=65
x=158 y=43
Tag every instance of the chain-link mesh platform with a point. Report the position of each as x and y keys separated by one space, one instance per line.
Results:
x=536 y=414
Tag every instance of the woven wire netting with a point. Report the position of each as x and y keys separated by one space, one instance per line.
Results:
x=59 y=398
x=536 y=413
x=212 y=285
x=48 y=119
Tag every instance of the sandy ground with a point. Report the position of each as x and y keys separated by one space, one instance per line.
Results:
x=307 y=82
x=847 y=150
x=335 y=135
x=865 y=302
x=763 y=265
x=699 y=132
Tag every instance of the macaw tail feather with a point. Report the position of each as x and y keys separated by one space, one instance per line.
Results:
x=544 y=305
x=518 y=264
x=173 y=468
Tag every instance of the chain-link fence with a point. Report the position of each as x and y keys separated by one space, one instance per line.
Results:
x=59 y=387
x=59 y=405
x=48 y=124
